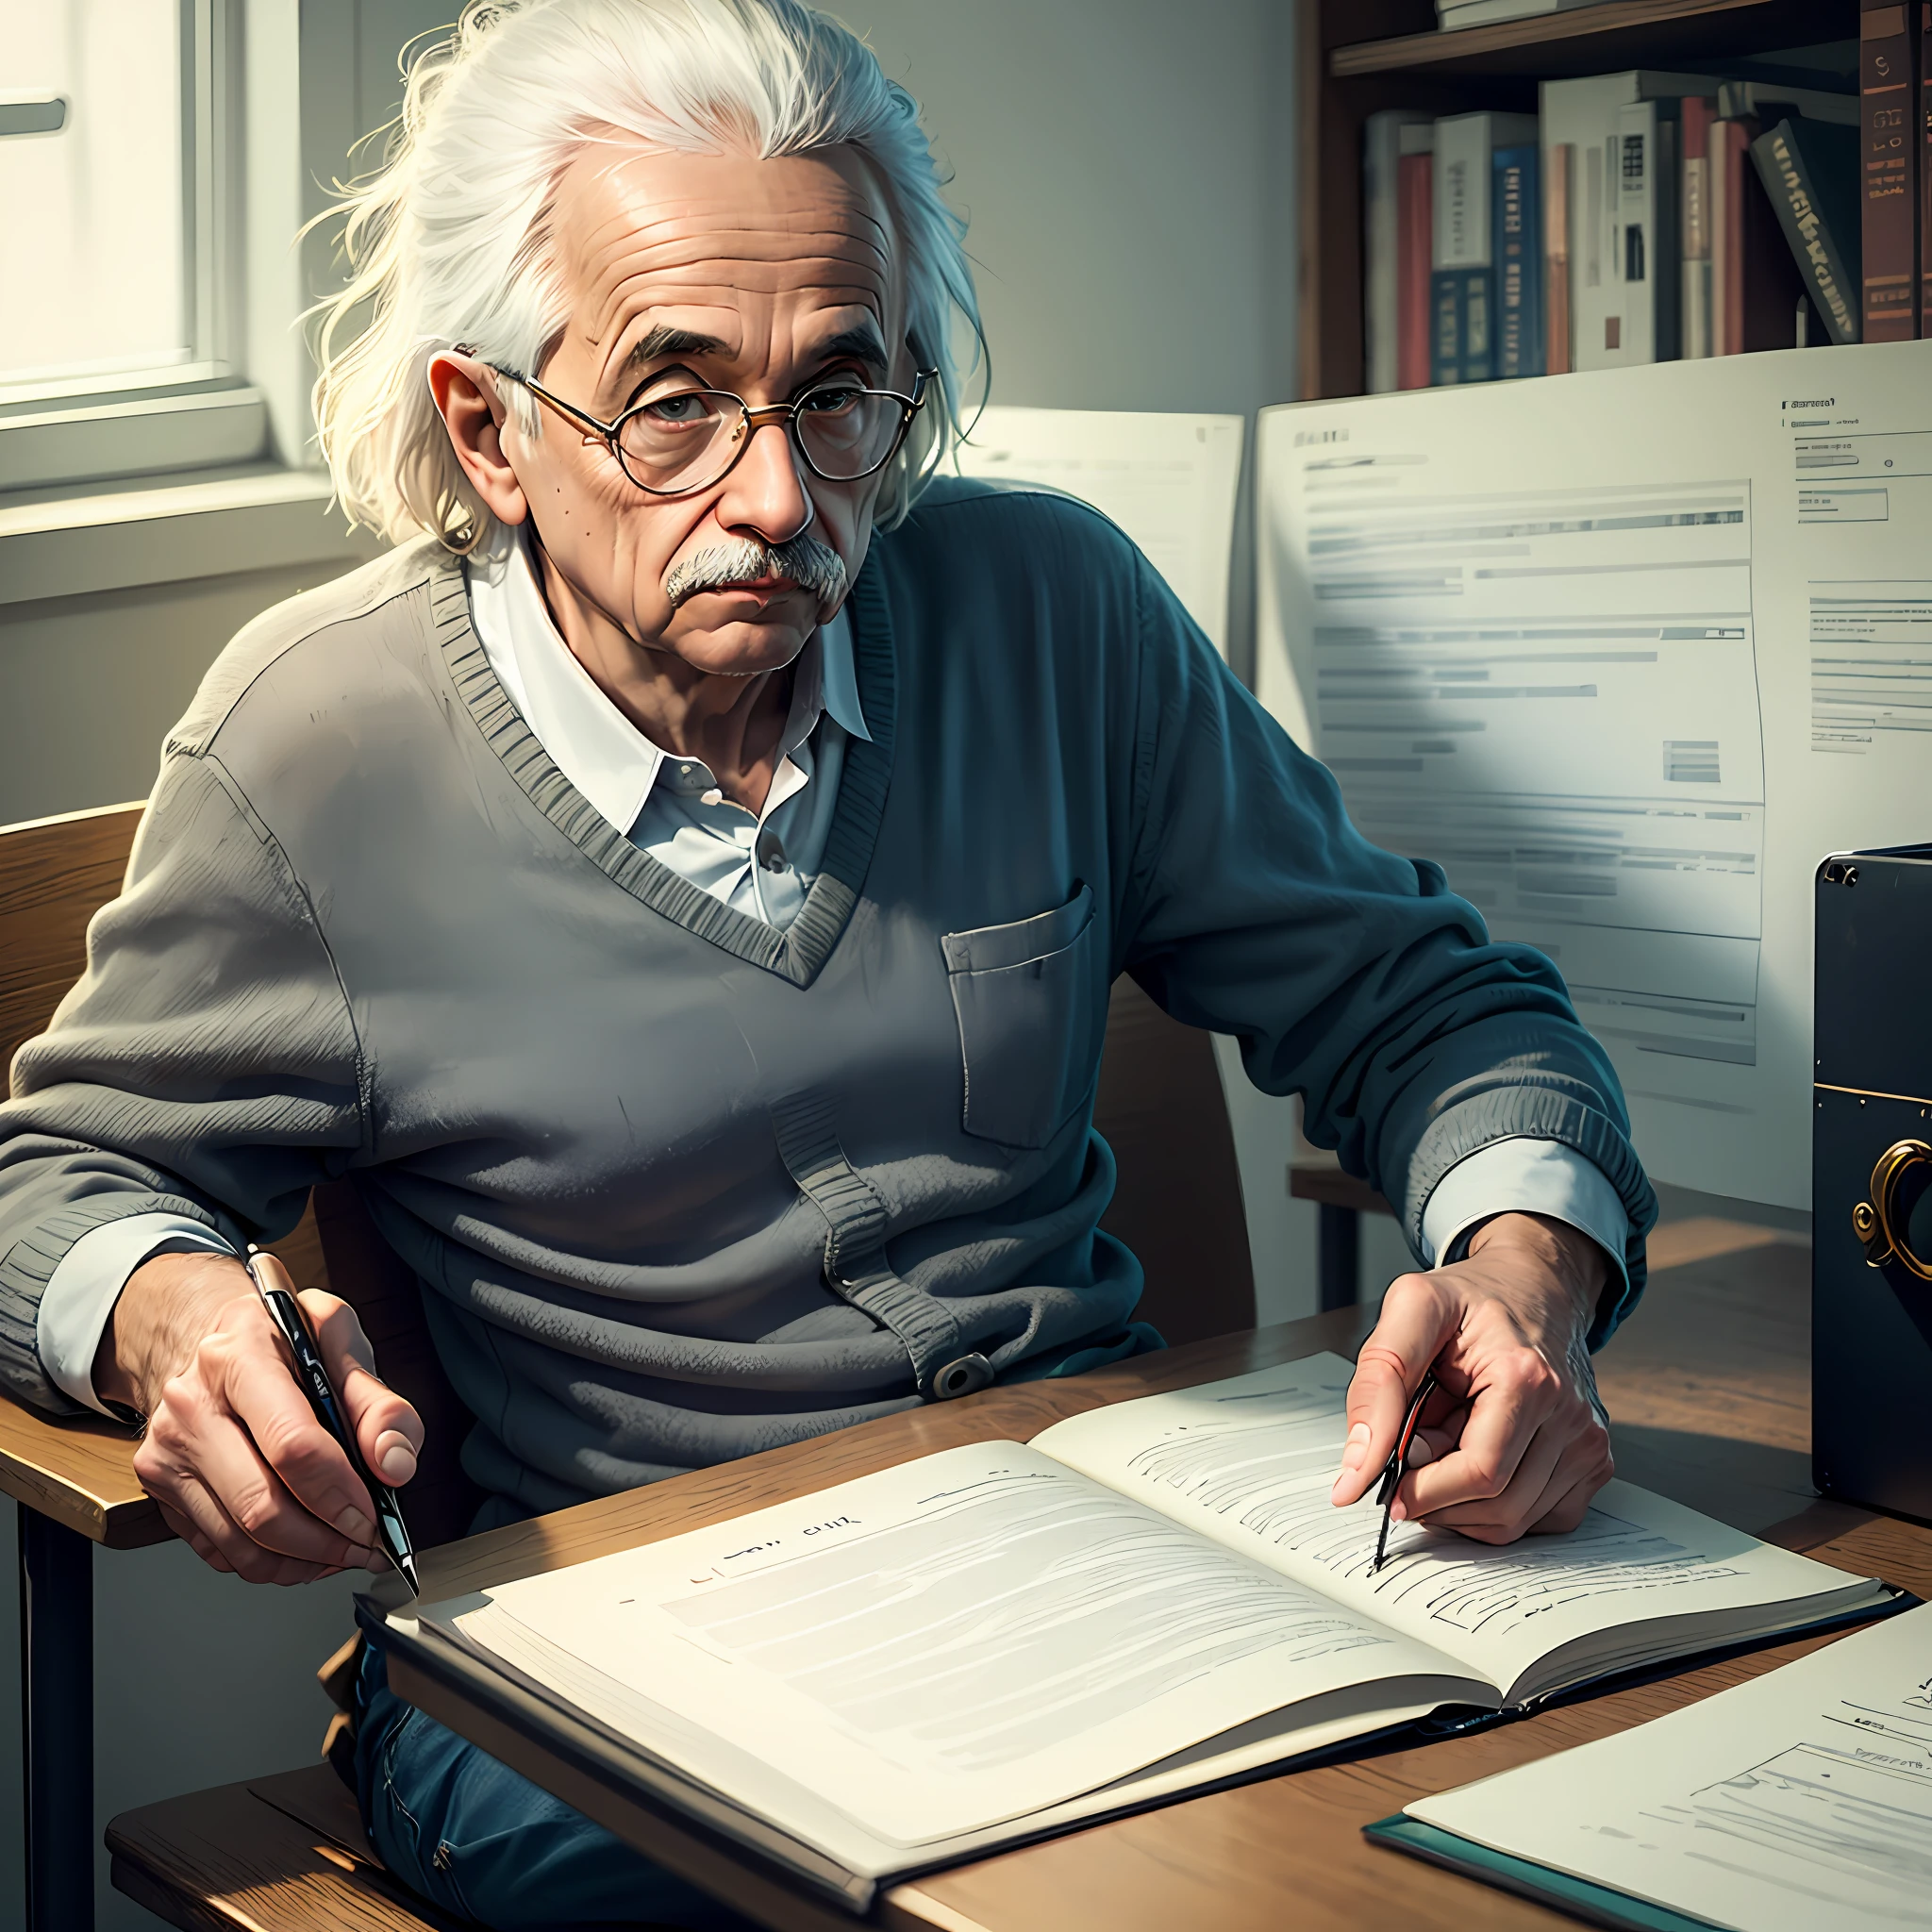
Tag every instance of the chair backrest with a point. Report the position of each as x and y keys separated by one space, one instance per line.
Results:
x=54 y=875
x=1177 y=1203
x=1159 y=1106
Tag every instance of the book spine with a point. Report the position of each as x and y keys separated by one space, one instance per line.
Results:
x=1414 y=217
x=1380 y=134
x=1516 y=226
x=1887 y=101
x=1772 y=289
x=1696 y=224
x=1795 y=197
x=1925 y=170
x=1478 y=304
x=1445 y=327
x=1666 y=297
x=1557 y=206
x=1727 y=235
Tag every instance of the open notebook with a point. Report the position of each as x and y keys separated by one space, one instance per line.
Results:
x=1004 y=1639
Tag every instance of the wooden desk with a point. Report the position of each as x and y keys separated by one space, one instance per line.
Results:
x=1711 y=1388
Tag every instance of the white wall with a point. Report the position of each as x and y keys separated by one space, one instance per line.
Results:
x=1125 y=166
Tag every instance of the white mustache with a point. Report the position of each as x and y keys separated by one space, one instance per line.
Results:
x=811 y=566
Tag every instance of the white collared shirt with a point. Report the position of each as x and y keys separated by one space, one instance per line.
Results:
x=670 y=806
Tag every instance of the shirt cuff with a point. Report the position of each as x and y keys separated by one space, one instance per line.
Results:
x=87 y=1282
x=1524 y=1177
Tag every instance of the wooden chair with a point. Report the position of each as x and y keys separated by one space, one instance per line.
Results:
x=292 y=1844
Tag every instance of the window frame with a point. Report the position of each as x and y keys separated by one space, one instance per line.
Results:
x=204 y=413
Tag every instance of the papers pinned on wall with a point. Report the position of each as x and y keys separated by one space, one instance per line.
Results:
x=1628 y=656
x=1168 y=481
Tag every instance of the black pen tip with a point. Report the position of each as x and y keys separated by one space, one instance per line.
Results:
x=407 y=1565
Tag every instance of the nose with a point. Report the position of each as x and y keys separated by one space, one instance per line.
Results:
x=765 y=494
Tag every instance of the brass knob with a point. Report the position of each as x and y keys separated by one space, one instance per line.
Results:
x=1875 y=1222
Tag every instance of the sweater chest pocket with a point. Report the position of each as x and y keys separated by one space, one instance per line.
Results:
x=1029 y=1023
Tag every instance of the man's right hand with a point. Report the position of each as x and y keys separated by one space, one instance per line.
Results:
x=243 y=1473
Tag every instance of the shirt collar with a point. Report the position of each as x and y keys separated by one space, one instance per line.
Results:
x=589 y=740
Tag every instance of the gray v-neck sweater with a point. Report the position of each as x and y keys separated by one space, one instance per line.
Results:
x=681 y=1185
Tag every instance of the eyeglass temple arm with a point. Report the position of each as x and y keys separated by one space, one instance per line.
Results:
x=569 y=411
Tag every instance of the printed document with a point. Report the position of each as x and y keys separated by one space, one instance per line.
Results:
x=1626 y=654
x=1168 y=481
x=1800 y=1802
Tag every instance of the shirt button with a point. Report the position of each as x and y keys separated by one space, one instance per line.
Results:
x=772 y=853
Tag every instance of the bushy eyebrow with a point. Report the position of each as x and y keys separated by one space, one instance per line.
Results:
x=666 y=340
x=861 y=344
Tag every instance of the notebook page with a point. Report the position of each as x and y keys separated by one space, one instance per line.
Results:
x=1251 y=1461
x=1800 y=1802
x=959 y=1640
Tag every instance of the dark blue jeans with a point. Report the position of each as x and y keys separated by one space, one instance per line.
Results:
x=470 y=1836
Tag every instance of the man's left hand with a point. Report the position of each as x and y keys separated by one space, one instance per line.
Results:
x=1514 y=1437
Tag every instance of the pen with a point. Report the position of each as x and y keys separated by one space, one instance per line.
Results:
x=285 y=1311
x=1397 y=1466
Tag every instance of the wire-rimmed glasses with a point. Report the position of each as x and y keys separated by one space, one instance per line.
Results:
x=677 y=441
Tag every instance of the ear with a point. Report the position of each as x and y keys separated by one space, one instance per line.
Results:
x=474 y=417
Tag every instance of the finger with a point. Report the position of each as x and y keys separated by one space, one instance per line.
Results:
x=184 y=1529
x=1437 y=1436
x=257 y=1385
x=1526 y=1496
x=237 y=1474
x=1568 y=1511
x=387 y=1430
x=1416 y=1320
x=236 y=1549
x=1519 y=1393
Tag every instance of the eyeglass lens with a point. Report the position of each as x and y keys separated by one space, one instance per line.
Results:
x=685 y=439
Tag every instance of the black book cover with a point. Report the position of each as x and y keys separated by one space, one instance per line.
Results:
x=1810 y=171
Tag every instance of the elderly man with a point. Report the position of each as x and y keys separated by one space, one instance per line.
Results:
x=681 y=887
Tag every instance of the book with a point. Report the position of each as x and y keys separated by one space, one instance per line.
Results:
x=1415 y=227
x=1382 y=151
x=1625 y=249
x=1798 y=1802
x=1925 y=170
x=1006 y=1639
x=1810 y=170
x=1765 y=100
x=1558 y=171
x=1889 y=220
x=1452 y=14
x=1756 y=285
x=1516 y=223
x=1694 y=228
x=1463 y=289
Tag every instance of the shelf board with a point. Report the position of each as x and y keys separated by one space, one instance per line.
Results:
x=1602 y=39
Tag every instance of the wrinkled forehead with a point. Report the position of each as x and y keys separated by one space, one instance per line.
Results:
x=727 y=241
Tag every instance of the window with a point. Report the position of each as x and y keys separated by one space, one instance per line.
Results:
x=119 y=328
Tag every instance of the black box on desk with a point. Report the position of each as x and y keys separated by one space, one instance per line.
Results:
x=1872 y=1181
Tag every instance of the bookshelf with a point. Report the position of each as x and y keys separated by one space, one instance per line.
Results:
x=1356 y=57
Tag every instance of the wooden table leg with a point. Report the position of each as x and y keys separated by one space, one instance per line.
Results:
x=57 y=1722
x=1339 y=1238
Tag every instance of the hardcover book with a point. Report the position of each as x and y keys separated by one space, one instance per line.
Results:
x=1383 y=146
x=1464 y=288
x=1004 y=1640
x=1888 y=177
x=1811 y=171
x=1414 y=248
x=1517 y=221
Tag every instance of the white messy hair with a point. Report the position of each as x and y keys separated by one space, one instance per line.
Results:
x=448 y=243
